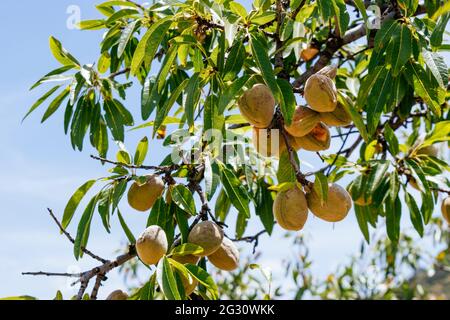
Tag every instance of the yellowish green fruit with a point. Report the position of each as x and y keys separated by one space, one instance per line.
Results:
x=257 y=105
x=152 y=245
x=338 y=118
x=319 y=139
x=329 y=71
x=269 y=142
x=337 y=206
x=226 y=257
x=291 y=209
x=207 y=235
x=446 y=209
x=117 y=295
x=303 y=122
x=321 y=93
x=142 y=197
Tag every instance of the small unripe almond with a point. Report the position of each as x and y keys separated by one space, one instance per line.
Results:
x=226 y=257
x=152 y=245
x=303 y=122
x=321 y=93
x=207 y=235
x=446 y=209
x=291 y=209
x=142 y=197
x=337 y=206
x=117 y=295
x=257 y=105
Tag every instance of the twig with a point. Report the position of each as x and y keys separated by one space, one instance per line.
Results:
x=118 y=73
x=86 y=251
x=252 y=239
x=98 y=283
x=162 y=169
x=52 y=274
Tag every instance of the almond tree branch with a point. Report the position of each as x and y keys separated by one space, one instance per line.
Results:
x=86 y=251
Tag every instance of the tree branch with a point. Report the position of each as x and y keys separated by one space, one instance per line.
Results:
x=86 y=251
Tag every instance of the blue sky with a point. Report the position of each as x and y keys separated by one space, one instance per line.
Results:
x=40 y=169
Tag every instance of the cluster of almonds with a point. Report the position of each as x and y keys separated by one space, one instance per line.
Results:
x=309 y=131
x=152 y=245
x=309 y=128
x=221 y=252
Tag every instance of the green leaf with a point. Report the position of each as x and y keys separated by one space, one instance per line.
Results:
x=223 y=206
x=74 y=201
x=18 y=298
x=91 y=24
x=165 y=109
x=84 y=227
x=440 y=133
x=356 y=117
x=49 y=77
x=166 y=67
x=104 y=62
x=376 y=175
x=147 y=47
x=362 y=222
x=416 y=217
x=438 y=32
x=193 y=91
x=55 y=104
x=125 y=37
x=424 y=88
x=400 y=49
x=187 y=249
x=393 y=217
x=285 y=171
x=40 y=101
x=183 y=224
x=379 y=96
x=141 y=152
x=184 y=199
x=288 y=103
x=126 y=229
x=114 y=120
x=436 y=64
x=264 y=206
x=385 y=34
x=158 y=215
x=325 y=8
x=166 y=280
x=231 y=92
x=321 y=186
x=124 y=13
x=234 y=189
x=341 y=14
x=205 y=279
x=234 y=62
x=265 y=66
x=61 y=54
x=392 y=140
x=239 y=9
